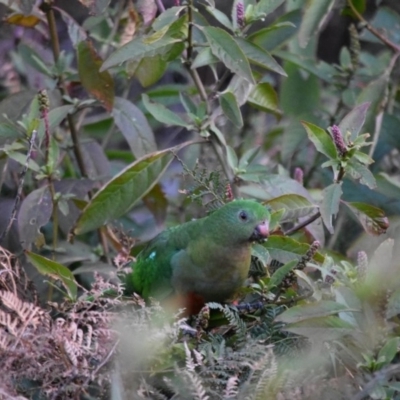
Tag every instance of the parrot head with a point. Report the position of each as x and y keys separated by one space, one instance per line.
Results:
x=243 y=221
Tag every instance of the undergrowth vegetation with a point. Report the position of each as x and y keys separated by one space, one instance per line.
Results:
x=121 y=118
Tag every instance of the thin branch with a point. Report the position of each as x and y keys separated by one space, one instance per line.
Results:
x=160 y=5
x=379 y=377
x=303 y=224
x=31 y=141
x=374 y=31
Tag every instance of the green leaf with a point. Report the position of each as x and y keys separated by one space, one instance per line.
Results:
x=98 y=84
x=227 y=50
x=232 y=157
x=136 y=50
x=276 y=217
x=313 y=19
x=361 y=172
x=56 y=271
x=33 y=59
x=276 y=34
x=148 y=70
x=374 y=93
x=134 y=126
x=268 y=6
x=279 y=275
x=321 y=329
x=389 y=350
x=124 y=190
x=285 y=249
x=295 y=206
x=321 y=139
x=230 y=107
x=205 y=57
x=162 y=114
x=323 y=308
x=263 y=97
x=373 y=219
x=220 y=17
x=56 y=116
x=331 y=196
x=259 y=56
x=354 y=120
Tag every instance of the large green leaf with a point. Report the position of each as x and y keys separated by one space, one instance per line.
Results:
x=56 y=271
x=321 y=329
x=303 y=312
x=162 y=114
x=257 y=55
x=322 y=141
x=285 y=249
x=331 y=196
x=98 y=84
x=314 y=16
x=230 y=107
x=134 y=126
x=227 y=50
x=124 y=190
x=295 y=206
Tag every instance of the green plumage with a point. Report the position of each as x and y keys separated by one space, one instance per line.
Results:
x=209 y=257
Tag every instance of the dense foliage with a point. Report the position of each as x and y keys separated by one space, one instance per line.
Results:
x=120 y=118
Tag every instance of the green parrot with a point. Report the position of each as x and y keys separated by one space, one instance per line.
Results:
x=202 y=260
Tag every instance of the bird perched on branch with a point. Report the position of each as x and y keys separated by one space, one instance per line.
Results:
x=202 y=260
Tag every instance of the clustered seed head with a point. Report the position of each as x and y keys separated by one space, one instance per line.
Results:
x=44 y=103
x=338 y=140
x=362 y=265
x=312 y=250
x=228 y=192
x=355 y=47
x=298 y=175
x=240 y=14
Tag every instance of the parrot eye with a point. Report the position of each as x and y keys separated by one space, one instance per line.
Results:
x=243 y=216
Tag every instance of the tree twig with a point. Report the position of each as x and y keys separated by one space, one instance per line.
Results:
x=373 y=30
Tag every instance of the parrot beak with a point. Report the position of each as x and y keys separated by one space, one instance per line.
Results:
x=261 y=232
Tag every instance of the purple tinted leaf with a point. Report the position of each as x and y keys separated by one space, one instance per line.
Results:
x=354 y=120
x=34 y=213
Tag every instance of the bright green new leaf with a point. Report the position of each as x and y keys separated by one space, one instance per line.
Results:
x=162 y=113
x=56 y=271
x=331 y=196
x=264 y=98
x=230 y=107
x=321 y=139
x=227 y=50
